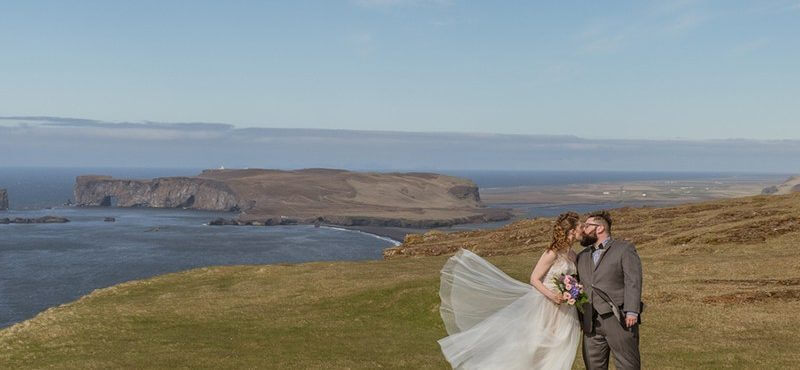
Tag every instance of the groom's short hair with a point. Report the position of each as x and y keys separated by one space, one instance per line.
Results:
x=604 y=217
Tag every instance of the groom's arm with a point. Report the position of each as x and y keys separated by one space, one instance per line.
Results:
x=632 y=272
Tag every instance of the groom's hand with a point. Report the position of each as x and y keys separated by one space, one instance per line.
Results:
x=630 y=320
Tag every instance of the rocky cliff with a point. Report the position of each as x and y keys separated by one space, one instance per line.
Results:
x=792 y=185
x=269 y=197
x=168 y=192
x=3 y=200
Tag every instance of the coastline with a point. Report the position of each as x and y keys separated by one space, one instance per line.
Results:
x=395 y=234
x=396 y=238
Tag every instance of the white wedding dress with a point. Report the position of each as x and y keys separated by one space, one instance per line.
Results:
x=497 y=322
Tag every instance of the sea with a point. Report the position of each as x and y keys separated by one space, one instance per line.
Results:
x=46 y=265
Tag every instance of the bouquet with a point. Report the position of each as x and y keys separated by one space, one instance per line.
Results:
x=571 y=290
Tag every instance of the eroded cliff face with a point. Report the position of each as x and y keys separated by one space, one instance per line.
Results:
x=792 y=185
x=3 y=200
x=168 y=192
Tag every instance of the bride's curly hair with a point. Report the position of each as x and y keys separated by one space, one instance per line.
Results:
x=565 y=223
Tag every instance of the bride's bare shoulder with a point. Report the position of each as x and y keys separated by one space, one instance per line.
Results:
x=547 y=258
x=548 y=254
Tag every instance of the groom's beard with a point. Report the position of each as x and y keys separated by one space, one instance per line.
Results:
x=587 y=240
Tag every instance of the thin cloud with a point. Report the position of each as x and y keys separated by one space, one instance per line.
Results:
x=667 y=19
x=81 y=122
x=671 y=7
x=685 y=23
x=749 y=46
x=363 y=43
x=401 y=3
x=605 y=36
x=50 y=119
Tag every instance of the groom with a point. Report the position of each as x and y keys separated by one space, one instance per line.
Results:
x=611 y=273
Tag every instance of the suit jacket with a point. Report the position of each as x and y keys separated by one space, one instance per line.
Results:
x=618 y=273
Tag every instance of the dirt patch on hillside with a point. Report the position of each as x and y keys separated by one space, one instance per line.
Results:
x=739 y=216
x=790 y=295
x=756 y=231
x=752 y=282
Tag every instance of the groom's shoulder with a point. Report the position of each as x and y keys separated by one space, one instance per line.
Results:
x=624 y=243
x=585 y=250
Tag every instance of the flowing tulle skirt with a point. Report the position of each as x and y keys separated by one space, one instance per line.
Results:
x=497 y=322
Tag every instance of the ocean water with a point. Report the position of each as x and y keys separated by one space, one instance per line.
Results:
x=45 y=265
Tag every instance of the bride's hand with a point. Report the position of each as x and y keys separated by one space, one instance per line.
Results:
x=557 y=299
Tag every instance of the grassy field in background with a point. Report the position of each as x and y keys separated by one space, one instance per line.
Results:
x=711 y=304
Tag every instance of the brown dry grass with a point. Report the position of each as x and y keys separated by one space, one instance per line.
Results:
x=730 y=221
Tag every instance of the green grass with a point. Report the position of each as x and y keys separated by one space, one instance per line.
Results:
x=317 y=315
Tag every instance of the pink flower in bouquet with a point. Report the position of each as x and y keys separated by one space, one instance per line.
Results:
x=571 y=290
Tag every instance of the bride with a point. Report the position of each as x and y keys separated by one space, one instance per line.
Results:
x=497 y=322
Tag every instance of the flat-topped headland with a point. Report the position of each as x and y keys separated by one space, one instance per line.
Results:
x=307 y=196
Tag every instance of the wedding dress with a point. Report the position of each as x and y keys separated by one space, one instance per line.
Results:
x=497 y=322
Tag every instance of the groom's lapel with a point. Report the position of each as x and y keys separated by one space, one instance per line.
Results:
x=586 y=261
x=604 y=254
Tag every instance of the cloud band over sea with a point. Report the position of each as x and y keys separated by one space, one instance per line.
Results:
x=76 y=142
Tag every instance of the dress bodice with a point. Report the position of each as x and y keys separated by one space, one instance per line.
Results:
x=561 y=265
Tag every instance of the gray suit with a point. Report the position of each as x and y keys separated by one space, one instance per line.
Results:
x=618 y=277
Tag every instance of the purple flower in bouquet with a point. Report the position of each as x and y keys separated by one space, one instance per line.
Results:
x=571 y=290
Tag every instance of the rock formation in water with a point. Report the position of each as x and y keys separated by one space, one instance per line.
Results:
x=167 y=192
x=3 y=200
x=39 y=220
x=273 y=197
x=792 y=185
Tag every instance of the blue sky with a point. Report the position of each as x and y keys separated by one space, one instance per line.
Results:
x=634 y=70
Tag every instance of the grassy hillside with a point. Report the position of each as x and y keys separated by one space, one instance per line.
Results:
x=722 y=281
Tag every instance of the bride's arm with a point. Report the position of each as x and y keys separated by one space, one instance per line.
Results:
x=539 y=271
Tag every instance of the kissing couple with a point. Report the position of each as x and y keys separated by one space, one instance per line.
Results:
x=497 y=322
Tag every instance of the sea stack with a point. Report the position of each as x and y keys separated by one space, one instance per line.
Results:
x=3 y=200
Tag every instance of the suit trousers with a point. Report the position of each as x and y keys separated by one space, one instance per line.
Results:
x=609 y=334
